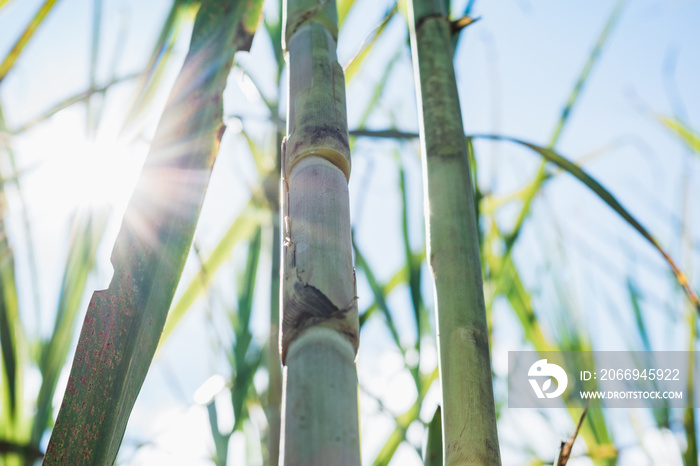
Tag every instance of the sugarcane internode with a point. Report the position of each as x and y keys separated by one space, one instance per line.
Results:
x=319 y=322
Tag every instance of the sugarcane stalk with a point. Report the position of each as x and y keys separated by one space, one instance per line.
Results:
x=274 y=391
x=468 y=412
x=319 y=320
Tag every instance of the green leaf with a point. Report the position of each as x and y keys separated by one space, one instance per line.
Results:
x=586 y=71
x=379 y=88
x=16 y=51
x=398 y=278
x=355 y=63
x=11 y=332
x=690 y=137
x=414 y=266
x=377 y=293
x=87 y=230
x=403 y=421
x=4 y=2
x=605 y=195
x=274 y=31
x=244 y=370
x=521 y=302
x=574 y=96
x=123 y=323
x=72 y=100
x=94 y=109
x=14 y=350
x=181 y=13
x=220 y=440
x=389 y=449
x=344 y=7
x=31 y=254
x=594 y=431
x=638 y=316
x=433 y=447
x=551 y=156
x=242 y=227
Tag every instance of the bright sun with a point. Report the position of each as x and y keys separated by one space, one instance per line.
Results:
x=100 y=174
x=71 y=171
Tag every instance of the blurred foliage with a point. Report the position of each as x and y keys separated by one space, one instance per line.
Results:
x=396 y=305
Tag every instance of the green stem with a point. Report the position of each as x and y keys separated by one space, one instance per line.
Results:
x=320 y=325
x=469 y=419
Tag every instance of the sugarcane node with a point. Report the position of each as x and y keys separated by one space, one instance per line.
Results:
x=324 y=13
x=319 y=133
x=341 y=161
x=307 y=306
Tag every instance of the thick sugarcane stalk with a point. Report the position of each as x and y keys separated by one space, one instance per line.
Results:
x=319 y=322
x=469 y=420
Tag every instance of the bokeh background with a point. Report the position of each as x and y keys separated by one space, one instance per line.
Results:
x=79 y=106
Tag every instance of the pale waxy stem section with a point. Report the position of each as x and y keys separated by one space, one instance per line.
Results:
x=318 y=282
x=468 y=412
x=319 y=429
x=319 y=322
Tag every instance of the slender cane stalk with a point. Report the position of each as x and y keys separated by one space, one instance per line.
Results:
x=274 y=391
x=469 y=419
x=319 y=322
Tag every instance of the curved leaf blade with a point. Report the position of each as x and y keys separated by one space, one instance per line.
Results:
x=605 y=195
x=690 y=137
x=123 y=323
x=241 y=228
x=433 y=447
x=24 y=39
x=86 y=234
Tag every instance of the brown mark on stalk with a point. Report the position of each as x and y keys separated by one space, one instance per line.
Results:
x=462 y=23
x=306 y=306
x=321 y=132
x=315 y=135
x=475 y=336
x=283 y=160
x=288 y=243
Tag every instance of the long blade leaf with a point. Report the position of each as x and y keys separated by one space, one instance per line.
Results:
x=241 y=228
x=180 y=13
x=24 y=39
x=605 y=195
x=87 y=232
x=690 y=137
x=575 y=170
x=123 y=323
x=433 y=447
x=355 y=63
x=10 y=325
